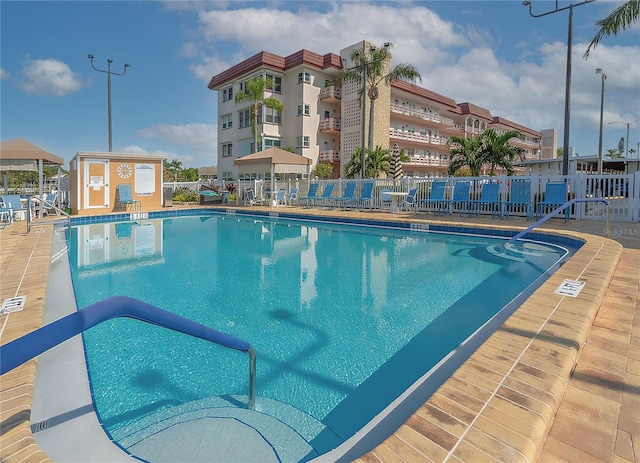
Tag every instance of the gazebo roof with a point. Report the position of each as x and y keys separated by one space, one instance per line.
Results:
x=276 y=159
x=20 y=154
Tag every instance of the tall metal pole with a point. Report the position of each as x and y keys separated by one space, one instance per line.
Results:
x=108 y=72
x=567 y=99
x=363 y=153
x=604 y=77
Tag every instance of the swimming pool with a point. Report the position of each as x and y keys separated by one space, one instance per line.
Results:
x=339 y=316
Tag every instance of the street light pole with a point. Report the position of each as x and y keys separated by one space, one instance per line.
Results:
x=108 y=72
x=567 y=97
x=604 y=77
x=364 y=65
x=628 y=124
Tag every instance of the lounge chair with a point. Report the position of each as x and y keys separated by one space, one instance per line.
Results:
x=460 y=199
x=366 y=196
x=250 y=197
x=5 y=215
x=312 y=195
x=348 y=195
x=436 y=197
x=292 y=196
x=410 y=201
x=14 y=204
x=209 y=197
x=124 y=198
x=519 y=198
x=489 y=198
x=325 y=199
x=555 y=195
x=385 y=198
x=281 y=197
x=49 y=204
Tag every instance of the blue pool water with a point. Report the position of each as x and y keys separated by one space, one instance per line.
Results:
x=343 y=319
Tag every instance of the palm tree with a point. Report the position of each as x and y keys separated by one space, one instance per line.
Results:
x=254 y=91
x=497 y=151
x=375 y=64
x=174 y=167
x=620 y=19
x=466 y=152
x=377 y=162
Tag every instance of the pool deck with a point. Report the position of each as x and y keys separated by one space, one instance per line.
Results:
x=558 y=381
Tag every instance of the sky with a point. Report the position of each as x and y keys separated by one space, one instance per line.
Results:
x=493 y=54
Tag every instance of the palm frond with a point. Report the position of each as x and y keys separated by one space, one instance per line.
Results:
x=620 y=19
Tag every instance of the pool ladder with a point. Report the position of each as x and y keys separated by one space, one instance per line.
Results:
x=20 y=350
x=560 y=209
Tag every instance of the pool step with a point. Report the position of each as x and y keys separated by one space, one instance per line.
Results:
x=224 y=428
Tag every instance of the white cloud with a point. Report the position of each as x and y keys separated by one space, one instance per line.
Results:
x=49 y=77
x=185 y=159
x=4 y=74
x=201 y=138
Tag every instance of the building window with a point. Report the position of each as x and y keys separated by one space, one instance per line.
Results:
x=304 y=77
x=303 y=142
x=276 y=83
x=227 y=94
x=227 y=121
x=245 y=118
x=226 y=150
x=272 y=116
x=228 y=175
x=304 y=110
x=272 y=143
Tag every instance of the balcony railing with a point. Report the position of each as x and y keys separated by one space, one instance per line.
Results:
x=433 y=162
x=450 y=123
x=418 y=137
x=330 y=93
x=329 y=156
x=330 y=123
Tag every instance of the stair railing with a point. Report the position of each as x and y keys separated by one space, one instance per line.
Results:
x=19 y=351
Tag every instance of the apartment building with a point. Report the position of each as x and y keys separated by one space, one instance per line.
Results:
x=323 y=120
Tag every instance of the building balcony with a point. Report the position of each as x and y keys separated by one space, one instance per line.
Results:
x=406 y=135
x=427 y=161
x=330 y=124
x=435 y=120
x=330 y=93
x=329 y=156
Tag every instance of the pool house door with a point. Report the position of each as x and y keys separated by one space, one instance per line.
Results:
x=96 y=191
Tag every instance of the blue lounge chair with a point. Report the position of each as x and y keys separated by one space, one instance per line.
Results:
x=281 y=197
x=410 y=201
x=366 y=196
x=348 y=195
x=555 y=195
x=519 y=198
x=292 y=196
x=489 y=198
x=460 y=200
x=312 y=195
x=124 y=198
x=436 y=197
x=325 y=199
x=250 y=197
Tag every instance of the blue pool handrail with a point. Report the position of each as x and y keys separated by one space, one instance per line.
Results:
x=559 y=209
x=20 y=350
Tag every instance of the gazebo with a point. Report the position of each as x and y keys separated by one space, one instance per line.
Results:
x=273 y=161
x=20 y=155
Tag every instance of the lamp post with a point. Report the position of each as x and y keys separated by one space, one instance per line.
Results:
x=567 y=97
x=604 y=77
x=364 y=64
x=628 y=124
x=108 y=72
